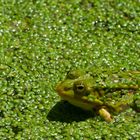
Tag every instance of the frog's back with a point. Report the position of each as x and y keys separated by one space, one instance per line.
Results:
x=116 y=79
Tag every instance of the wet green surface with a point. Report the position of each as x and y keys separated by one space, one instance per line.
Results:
x=40 y=41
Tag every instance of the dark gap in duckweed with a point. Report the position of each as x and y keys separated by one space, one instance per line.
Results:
x=1 y=114
x=16 y=129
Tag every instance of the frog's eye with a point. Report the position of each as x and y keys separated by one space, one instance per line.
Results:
x=71 y=76
x=79 y=87
x=74 y=74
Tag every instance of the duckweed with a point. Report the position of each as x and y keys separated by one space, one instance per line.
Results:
x=40 y=41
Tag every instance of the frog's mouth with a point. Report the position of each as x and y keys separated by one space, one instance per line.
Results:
x=79 y=102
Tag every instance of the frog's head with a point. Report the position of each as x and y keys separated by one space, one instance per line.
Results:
x=78 y=89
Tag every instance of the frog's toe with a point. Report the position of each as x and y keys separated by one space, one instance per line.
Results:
x=105 y=115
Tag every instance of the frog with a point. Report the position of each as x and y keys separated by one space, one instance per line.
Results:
x=104 y=92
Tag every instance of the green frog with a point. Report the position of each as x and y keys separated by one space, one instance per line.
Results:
x=105 y=92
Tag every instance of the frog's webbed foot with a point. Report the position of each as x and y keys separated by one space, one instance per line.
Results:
x=105 y=115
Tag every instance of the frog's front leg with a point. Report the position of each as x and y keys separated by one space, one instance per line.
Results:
x=105 y=115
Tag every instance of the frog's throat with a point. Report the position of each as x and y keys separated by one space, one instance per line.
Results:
x=84 y=104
